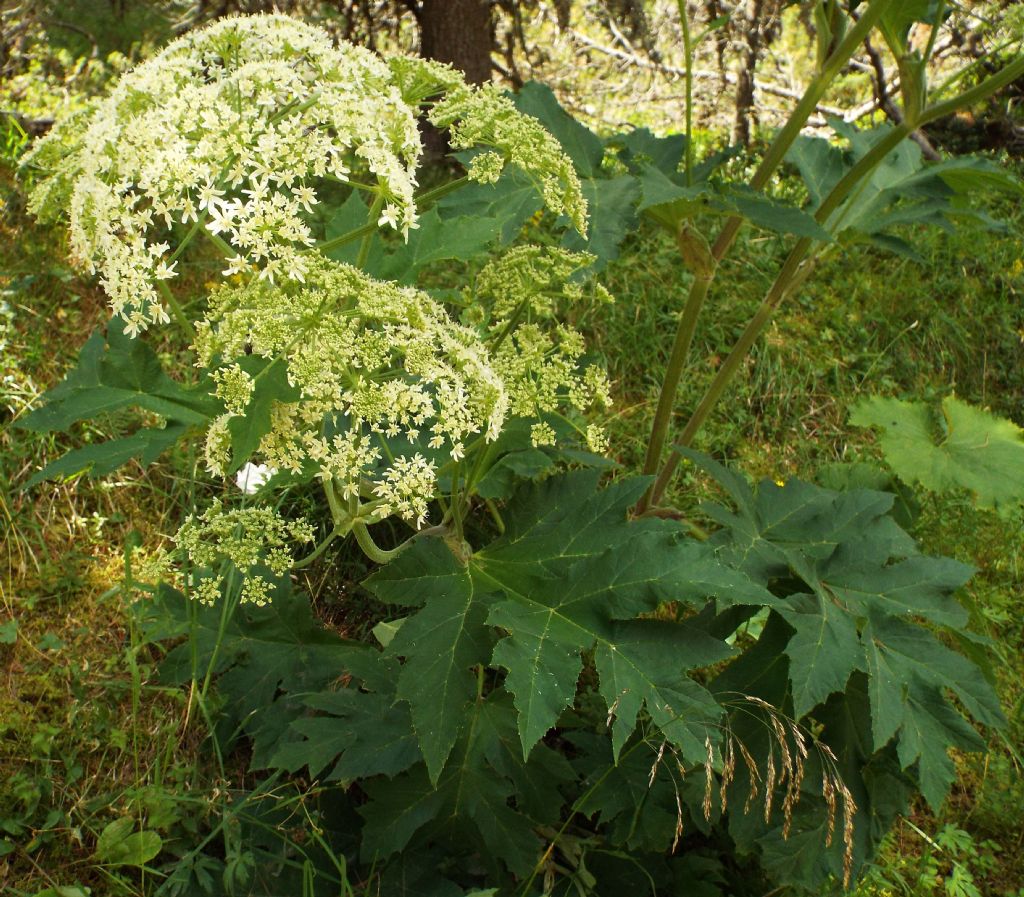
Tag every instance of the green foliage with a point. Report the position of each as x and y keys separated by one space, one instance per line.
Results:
x=115 y=373
x=956 y=446
x=593 y=698
x=902 y=190
x=853 y=577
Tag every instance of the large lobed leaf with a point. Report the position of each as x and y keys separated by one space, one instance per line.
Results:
x=854 y=588
x=962 y=447
x=570 y=577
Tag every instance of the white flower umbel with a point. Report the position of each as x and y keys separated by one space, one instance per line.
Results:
x=371 y=360
x=247 y=538
x=229 y=129
x=232 y=131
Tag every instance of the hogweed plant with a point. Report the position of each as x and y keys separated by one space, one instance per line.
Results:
x=566 y=692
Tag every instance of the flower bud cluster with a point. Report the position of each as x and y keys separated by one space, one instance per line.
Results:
x=244 y=537
x=370 y=359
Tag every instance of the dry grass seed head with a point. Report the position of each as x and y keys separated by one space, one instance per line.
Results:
x=728 y=772
x=709 y=776
x=656 y=764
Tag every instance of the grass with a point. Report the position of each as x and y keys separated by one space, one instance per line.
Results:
x=90 y=735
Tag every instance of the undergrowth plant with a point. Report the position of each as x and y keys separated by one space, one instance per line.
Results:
x=567 y=690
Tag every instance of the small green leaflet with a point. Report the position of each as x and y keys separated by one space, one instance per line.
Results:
x=120 y=845
x=957 y=447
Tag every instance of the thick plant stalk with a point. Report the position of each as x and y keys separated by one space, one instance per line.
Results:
x=701 y=285
x=796 y=268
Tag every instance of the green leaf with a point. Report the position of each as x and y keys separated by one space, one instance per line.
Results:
x=612 y=217
x=470 y=802
x=645 y=663
x=773 y=215
x=511 y=201
x=99 y=459
x=900 y=17
x=965 y=448
x=866 y=579
x=117 y=373
x=266 y=656
x=271 y=386
x=501 y=477
x=386 y=630
x=120 y=845
x=902 y=190
x=640 y=148
x=579 y=142
x=438 y=239
x=821 y=165
x=366 y=732
x=349 y=216
x=824 y=650
x=668 y=202
x=569 y=568
x=9 y=632
x=441 y=644
x=639 y=814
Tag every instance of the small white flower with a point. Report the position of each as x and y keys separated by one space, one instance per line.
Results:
x=253 y=476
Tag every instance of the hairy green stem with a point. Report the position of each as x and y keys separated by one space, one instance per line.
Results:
x=336 y=242
x=428 y=197
x=773 y=158
x=673 y=374
x=371 y=218
x=793 y=272
x=339 y=530
x=684 y=20
x=371 y=549
x=177 y=310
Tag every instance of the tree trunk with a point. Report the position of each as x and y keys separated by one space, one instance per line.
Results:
x=751 y=38
x=458 y=32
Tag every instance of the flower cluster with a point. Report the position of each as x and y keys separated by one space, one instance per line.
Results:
x=532 y=278
x=369 y=360
x=487 y=117
x=542 y=366
x=229 y=129
x=542 y=371
x=246 y=538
